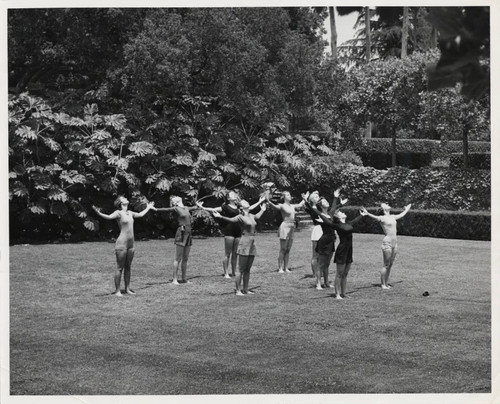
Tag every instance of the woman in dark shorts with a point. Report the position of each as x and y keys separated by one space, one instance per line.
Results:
x=343 y=253
x=246 y=248
x=183 y=236
x=231 y=231
x=124 y=246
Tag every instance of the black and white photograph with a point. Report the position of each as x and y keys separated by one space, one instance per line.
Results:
x=284 y=202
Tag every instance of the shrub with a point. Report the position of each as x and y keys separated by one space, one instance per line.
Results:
x=426 y=188
x=436 y=148
x=476 y=160
x=431 y=223
x=382 y=161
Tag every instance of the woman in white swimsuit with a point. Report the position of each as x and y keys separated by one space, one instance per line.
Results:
x=390 y=241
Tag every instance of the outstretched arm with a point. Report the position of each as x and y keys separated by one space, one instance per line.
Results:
x=356 y=219
x=261 y=199
x=165 y=209
x=200 y=205
x=272 y=205
x=364 y=212
x=299 y=205
x=404 y=212
x=113 y=215
x=262 y=210
x=146 y=210
x=227 y=219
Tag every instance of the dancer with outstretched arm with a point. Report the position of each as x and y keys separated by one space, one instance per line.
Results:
x=246 y=248
x=390 y=240
x=286 y=229
x=124 y=246
x=183 y=236
x=231 y=231
x=343 y=252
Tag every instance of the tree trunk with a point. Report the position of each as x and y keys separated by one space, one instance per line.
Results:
x=393 y=147
x=333 y=32
x=404 y=33
x=367 y=33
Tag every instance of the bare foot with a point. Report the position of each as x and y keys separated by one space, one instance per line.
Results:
x=319 y=287
x=239 y=293
x=281 y=271
x=328 y=285
x=117 y=293
x=339 y=297
x=175 y=282
x=186 y=281
x=130 y=292
x=227 y=276
x=249 y=292
x=385 y=287
x=287 y=270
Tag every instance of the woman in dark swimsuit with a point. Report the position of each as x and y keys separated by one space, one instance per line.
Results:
x=325 y=246
x=246 y=248
x=343 y=253
x=231 y=231
x=124 y=246
x=183 y=236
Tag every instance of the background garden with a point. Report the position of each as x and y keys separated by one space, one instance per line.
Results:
x=154 y=102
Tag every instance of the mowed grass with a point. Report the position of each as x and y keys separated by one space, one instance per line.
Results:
x=69 y=335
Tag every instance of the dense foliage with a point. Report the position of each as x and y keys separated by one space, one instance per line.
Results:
x=194 y=102
x=431 y=223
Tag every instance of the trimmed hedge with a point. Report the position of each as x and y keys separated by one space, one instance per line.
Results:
x=382 y=160
x=426 y=188
x=476 y=160
x=436 y=148
x=430 y=223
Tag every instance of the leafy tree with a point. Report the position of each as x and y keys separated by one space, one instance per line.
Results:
x=464 y=41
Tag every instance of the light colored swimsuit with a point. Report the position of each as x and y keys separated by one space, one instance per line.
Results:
x=126 y=224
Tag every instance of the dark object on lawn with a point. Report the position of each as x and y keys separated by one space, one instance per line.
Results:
x=425 y=294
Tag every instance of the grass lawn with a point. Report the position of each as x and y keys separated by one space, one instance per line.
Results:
x=70 y=336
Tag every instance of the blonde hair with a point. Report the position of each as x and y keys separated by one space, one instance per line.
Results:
x=174 y=200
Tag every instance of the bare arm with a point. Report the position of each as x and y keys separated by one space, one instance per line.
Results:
x=227 y=219
x=261 y=199
x=200 y=205
x=149 y=206
x=277 y=207
x=262 y=210
x=404 y=212
x=112 y=216
x=165 y=209
x=299 y=205
x=364 y=212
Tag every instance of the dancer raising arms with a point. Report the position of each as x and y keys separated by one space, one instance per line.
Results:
x=286 y=229
x=183 y=236
x=390 y=241
x=231 y=231
x=326 y=244
x=316 y=232
x=124 y=246
x=343 y=253
x=246 y=248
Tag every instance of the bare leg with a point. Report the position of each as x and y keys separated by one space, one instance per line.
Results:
x=343 y=281
x=185 y=257
x=243 y=259
x=281 y=255
x=234 y=256
x=384 y=273
x=326 y=268
x=179 y=253
x=314 y=258
x=246 y=274
x=389 y=267
x=228 y=247
x=121 y=257
x=322 y=263
x=338 y=281
x=286 y=257
x=127 y=272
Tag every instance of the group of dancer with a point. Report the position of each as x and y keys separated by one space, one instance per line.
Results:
x=239 y=226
